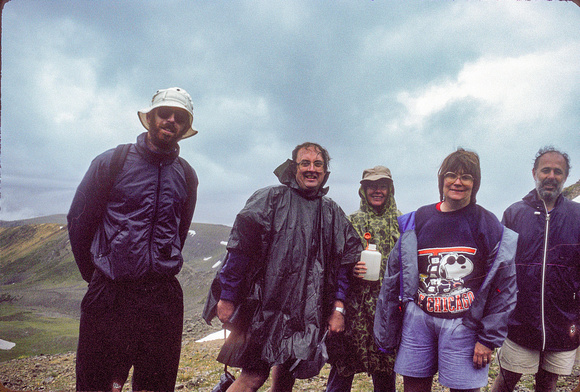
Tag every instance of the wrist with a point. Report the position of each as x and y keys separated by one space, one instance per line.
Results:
x=339 y=309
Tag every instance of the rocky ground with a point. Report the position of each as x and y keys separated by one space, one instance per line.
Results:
x=198 y=370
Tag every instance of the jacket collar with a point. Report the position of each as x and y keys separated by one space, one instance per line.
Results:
x=287 y=177
x=534 y=200
x=155 y=156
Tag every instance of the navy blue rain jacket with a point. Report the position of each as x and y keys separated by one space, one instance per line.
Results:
x=547 y=315
x=140 y=226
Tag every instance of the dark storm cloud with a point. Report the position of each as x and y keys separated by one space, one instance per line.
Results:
x=400 y=84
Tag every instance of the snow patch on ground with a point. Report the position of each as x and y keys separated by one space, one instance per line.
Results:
x=214 y=336
x=6 y=345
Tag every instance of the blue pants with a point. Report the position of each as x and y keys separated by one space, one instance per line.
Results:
x=382 y=382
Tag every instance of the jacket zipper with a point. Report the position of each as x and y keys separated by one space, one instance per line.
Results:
x=154 y=220
x=544 y=261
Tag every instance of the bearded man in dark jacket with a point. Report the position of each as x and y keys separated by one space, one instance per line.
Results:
x=127 y=225
x=298 y=248
x=543 y=330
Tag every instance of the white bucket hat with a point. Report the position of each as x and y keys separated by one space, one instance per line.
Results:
x=173 y=97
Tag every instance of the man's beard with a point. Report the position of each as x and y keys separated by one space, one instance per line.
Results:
x=547 y=195
x=160 y=142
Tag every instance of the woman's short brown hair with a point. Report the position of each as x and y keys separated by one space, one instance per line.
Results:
x=464 y=162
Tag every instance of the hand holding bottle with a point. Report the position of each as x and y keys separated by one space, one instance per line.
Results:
x=360 y=269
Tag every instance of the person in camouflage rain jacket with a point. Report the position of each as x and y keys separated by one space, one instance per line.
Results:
x=355 y=351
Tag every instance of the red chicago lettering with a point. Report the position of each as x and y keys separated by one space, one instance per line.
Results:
x=471 y=297
x=467 y=299
x=437 y=305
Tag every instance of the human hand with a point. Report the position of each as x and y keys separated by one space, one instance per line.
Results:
x=481 y=355
x=336 y=321
x=359 y=269
x=225 y=309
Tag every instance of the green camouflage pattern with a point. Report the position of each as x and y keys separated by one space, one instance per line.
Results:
x=355 y=351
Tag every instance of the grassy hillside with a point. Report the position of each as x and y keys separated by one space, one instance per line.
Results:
x=572 y=191
x=41 y=288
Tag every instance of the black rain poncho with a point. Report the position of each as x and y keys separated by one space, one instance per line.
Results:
x=297 y=243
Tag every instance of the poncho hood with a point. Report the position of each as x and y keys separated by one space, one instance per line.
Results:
x=366 y=207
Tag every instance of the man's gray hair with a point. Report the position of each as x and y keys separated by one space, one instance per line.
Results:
x=547 y=149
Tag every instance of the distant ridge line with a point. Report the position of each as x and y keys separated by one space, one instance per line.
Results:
x=59 y=219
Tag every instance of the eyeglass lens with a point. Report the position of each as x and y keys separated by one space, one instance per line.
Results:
x=179 y=116
x=305 y=164
x=465 y=178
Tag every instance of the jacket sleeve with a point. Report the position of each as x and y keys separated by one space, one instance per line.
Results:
x=343 y=281
x=226 y=284
x=86 y=213
x=392 y=301
x=388 y=304
x=232 y=276
x=189 y=207
x=499 y=291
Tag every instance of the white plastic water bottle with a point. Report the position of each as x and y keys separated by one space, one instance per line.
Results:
x=372 y=259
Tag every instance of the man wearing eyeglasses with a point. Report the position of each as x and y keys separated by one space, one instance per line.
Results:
x=127 y=226
x=296 y=247
x=543 y=330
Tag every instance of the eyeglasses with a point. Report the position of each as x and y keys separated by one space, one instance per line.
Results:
x=464 y=178
x=380 y=187
x=306 y=164
x=179 y=115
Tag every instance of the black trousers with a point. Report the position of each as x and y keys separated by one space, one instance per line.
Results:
x=123 y=325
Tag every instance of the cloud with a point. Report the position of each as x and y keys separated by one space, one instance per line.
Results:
x=513 y=90
x=400 y=84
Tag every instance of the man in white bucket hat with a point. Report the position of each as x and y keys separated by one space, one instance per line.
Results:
x=173 y=100
x=127 y=226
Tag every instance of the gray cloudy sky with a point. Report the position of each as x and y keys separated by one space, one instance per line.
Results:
x=397 y=83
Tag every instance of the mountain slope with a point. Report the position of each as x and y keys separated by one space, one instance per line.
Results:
x=41 y=288
x=572 y=191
